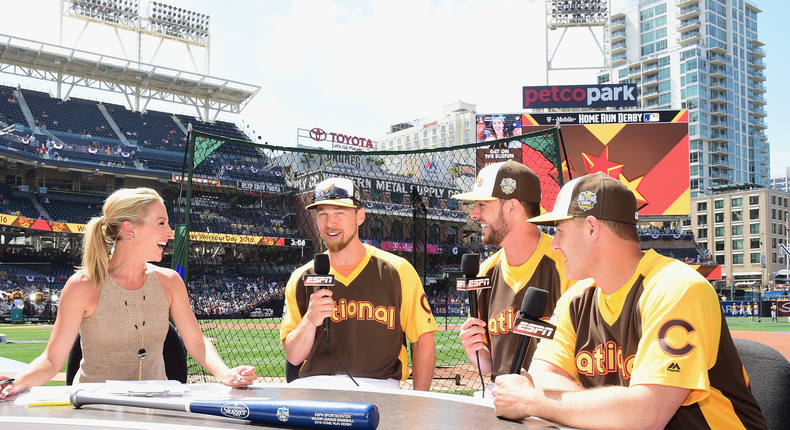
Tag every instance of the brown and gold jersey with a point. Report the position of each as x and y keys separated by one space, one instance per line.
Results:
x=500 y=305
x=665 y=326
x=377 y=307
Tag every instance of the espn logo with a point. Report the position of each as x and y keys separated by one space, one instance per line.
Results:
x=472 y=284
x=319 y=280
x=530 y=328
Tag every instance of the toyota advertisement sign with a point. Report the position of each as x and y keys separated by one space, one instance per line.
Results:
x=317 y=137
x=579 y=96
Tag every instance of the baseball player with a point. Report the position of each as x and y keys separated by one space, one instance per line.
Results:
x=378 y=301
x=641 y=340
x=506 y=195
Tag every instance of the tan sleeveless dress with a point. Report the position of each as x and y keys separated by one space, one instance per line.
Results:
x=109 y=340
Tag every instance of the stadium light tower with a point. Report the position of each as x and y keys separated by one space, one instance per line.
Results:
x=161 y=21
x=574 y=14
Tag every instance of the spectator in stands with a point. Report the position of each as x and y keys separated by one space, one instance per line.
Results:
x=641 y=340
x=120 y=304
x=506 y=195
x=362 y=274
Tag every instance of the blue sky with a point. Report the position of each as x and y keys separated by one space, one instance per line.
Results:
x=356 y=67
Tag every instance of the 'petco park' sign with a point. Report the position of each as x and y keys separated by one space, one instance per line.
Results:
x=580 y=96
x=339 y=140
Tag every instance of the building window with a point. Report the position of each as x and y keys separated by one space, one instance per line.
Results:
x=702 y=233
x=754 y=258
x=737 y=202
x=754 y=228
x=754 y=243
x=754 y=200
x=719 y=245
x=737 y=244
x=737 y=230
x=702 y=220
x=737 y=215
x=737 y=259
x=718 y=204
x=719 y=232
x=702 y=206
x=719 y=217
x=754 y=213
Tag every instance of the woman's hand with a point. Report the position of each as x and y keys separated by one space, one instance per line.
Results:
x=240 y=377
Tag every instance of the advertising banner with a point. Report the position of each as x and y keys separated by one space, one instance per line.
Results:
x=646 y=150
x=580 y=96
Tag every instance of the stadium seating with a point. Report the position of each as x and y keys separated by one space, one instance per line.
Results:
x=10 y=110
x=71 y=211
x=75 y=115
x=21 y=204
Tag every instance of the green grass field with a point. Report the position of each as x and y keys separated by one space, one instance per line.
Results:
x=261 y=347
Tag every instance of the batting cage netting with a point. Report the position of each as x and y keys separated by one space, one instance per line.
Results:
x=242 y=229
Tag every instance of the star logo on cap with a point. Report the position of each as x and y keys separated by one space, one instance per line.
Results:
x=508 y=185
x=586 y=200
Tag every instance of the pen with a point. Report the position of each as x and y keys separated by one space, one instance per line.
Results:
x=51 y=403
x=7 y=381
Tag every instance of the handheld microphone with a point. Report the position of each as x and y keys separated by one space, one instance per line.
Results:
x=470 y=266
x=321 y=279
x=529 y=325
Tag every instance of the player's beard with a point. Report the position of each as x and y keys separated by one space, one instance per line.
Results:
x=338 y=245
x=497 y=230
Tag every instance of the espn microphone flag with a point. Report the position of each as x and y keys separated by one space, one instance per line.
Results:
x=529 y=325
x=321 y=278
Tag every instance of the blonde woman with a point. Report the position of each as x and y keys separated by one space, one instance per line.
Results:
x=120 y=304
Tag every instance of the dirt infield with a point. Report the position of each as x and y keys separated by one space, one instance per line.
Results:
x=777 y=341
x=239 y=326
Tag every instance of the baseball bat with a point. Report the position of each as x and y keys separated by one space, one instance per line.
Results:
x=312 y=414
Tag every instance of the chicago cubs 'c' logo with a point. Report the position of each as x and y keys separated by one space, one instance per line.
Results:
x=662 y=338
x=424 y=303
x=318 y=135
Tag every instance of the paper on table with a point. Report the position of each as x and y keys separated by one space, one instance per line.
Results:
x=45 y=396
x=144 y=388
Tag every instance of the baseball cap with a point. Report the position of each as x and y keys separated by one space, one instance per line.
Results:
x=597 y=195
x=505 y=180
x=336 y=191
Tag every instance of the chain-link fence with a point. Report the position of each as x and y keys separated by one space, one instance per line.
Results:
x=242 y=207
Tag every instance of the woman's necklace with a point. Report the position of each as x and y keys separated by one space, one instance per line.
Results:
x=141 y=352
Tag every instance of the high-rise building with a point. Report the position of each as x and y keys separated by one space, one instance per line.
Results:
x=781 y=182
x=704 y=56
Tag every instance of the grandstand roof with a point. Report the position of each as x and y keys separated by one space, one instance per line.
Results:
x=137 y=81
